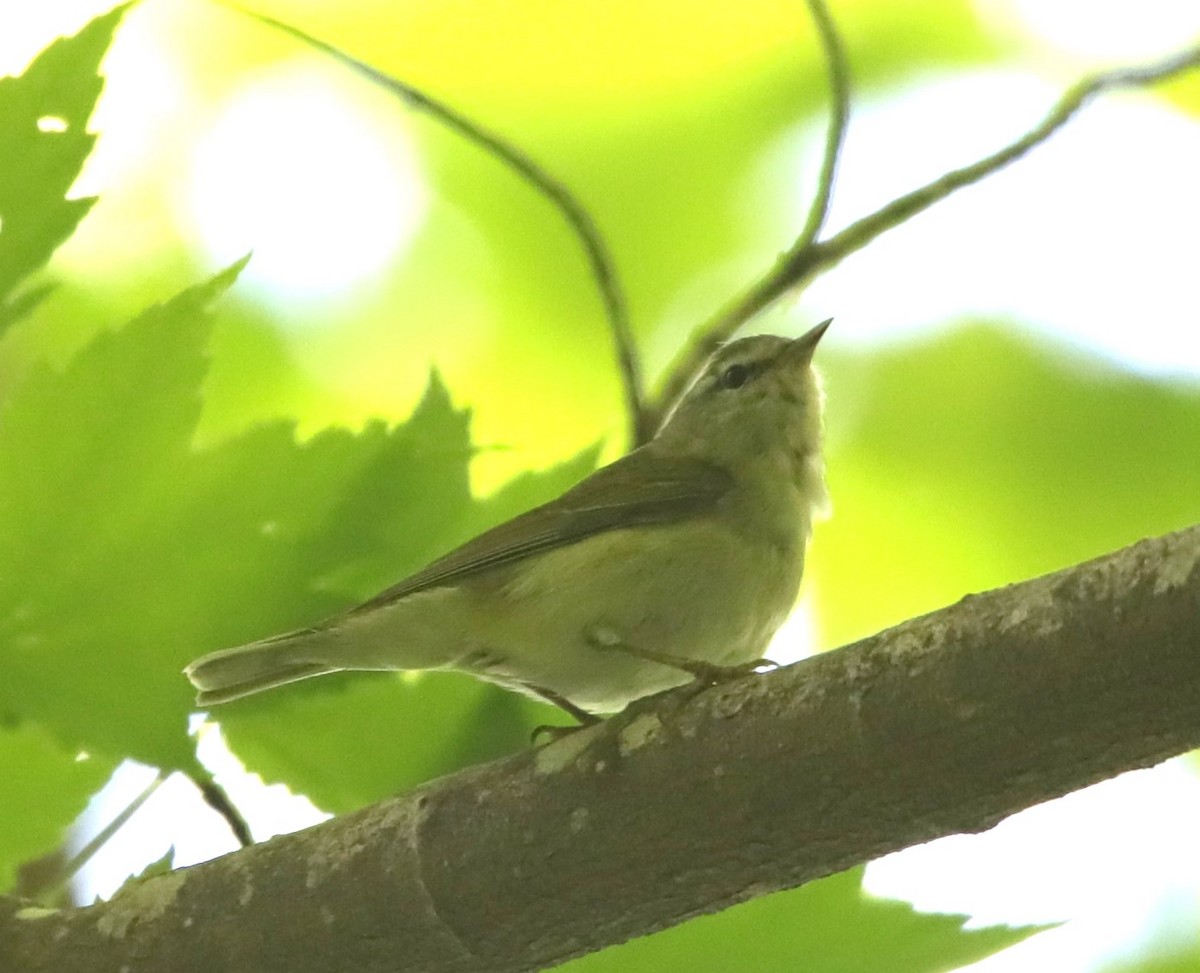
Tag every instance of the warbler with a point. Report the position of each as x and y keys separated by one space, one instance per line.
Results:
x=678 y=561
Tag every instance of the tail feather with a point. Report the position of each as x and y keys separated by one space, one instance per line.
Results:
x=247 y=669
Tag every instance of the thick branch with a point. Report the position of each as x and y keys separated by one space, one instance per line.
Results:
x=944 y=724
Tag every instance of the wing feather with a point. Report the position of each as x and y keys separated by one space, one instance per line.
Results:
x=641 y=488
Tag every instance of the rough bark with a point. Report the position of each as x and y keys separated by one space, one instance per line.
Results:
x=944 y=724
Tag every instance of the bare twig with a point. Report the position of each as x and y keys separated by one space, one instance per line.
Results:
x=599 y=259
x=86 y=853
x=215 y=797
x=720 y=328
x=799 y=265
x=839 y=117
x=857 y=235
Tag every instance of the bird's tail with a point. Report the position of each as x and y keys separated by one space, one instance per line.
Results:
x=233 y=673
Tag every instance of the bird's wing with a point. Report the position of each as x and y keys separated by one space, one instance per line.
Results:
x=639 y=489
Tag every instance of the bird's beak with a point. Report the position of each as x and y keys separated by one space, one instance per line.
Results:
x=801 y=349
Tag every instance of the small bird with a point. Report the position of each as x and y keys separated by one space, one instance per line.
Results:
x=676 y=562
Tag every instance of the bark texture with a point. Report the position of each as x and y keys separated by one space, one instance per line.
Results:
x=683 y=806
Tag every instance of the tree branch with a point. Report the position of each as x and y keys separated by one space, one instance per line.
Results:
x=808 y=257
x=686 y=805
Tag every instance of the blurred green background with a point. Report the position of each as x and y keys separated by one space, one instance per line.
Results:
x=415 y=351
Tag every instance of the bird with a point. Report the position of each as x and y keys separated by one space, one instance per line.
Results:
x=675 y=563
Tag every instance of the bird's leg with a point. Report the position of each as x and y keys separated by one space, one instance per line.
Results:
x=706 y=673
x=585 y=718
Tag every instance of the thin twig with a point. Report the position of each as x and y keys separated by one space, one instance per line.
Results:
x=859 y=234
x=215 y=797
x=839 y=118
x=720 y=328
x=599 y=258
x=85 y=854
x=799 y=265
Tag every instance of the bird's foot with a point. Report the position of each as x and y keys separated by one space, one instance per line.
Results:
x=704 y=673
x=554 y=732
x=711 y=674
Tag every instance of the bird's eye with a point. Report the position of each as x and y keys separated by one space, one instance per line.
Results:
x=735 y=376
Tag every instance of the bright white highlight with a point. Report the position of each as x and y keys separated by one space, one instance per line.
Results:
x=1091 y=235
x=1107 y=30
x=1118 y=859
x=304 y=178
x=177 y=819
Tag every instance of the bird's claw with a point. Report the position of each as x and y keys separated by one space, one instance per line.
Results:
x=550 y=733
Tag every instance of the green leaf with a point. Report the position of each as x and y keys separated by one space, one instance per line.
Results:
x=45 y=789
x=43 y=119
x=350 y=739
x=829 y=926
x=1174 y=957
x=130 y=552
x=92 y=460
x=160 y=866
x=530 y=489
